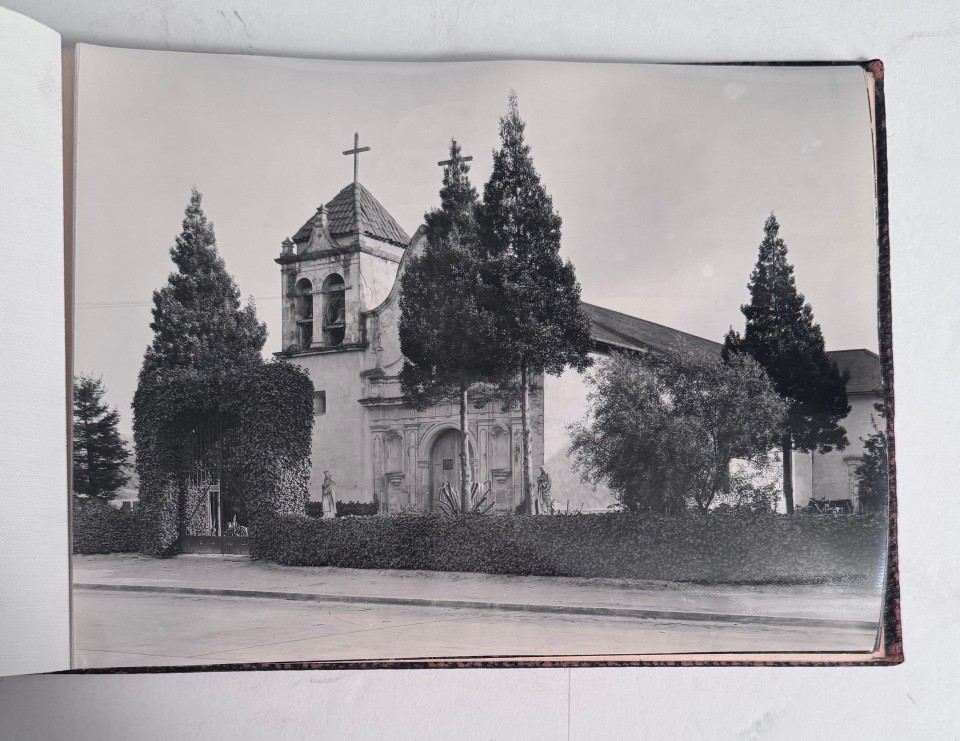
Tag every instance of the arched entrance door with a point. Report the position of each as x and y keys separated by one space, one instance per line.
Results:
x=445 y=463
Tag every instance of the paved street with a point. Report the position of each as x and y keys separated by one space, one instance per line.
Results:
x=143 y=629
x=847 y=602
x=130 y=610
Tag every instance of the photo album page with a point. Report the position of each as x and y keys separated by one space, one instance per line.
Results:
x=459 y=363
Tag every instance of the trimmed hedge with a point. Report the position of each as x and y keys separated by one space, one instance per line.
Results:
x=344 y=509
x=100 y=528
x=718 y=548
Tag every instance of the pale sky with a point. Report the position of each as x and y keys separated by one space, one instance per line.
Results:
x=663 y=176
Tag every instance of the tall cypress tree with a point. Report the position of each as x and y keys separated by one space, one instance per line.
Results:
x=99 y=453
x=532 y=293
x=198 y=321
x=783 y=337
x=445 y=336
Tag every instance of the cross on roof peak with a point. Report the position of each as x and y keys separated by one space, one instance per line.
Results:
x=357 y=149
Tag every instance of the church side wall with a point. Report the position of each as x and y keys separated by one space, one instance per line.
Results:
x=339 y=435
x=565 y=402
x=831 y=475
x=802 y=479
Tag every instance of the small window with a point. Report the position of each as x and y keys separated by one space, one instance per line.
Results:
x=319 y=402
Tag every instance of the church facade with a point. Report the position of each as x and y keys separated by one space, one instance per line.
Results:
x=340 y=284
x=340 y=292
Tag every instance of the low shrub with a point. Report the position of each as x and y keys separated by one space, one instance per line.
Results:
x=344 y=509
x=100 y=528
x=718 y=548
x=356 y=509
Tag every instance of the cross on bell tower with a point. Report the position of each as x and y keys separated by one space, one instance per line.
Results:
x=357 y=149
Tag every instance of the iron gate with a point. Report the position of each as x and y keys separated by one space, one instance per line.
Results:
x=215 y=513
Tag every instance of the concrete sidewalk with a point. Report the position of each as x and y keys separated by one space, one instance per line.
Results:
x=238 y=576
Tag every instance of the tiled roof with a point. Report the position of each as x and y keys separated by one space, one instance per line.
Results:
x=622 y=330
x=864 y=369
x=374 y=220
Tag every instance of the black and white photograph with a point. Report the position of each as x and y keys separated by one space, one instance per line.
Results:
x=489 y=361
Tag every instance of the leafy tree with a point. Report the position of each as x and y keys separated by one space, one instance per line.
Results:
x=99 y=453
x=783 y=337
x=755 y=487
x=663 y=430
x=447 y=339
x=530 y=291
x=872 y=473
x=198 y=321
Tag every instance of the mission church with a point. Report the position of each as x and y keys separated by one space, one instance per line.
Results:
x=340 y=292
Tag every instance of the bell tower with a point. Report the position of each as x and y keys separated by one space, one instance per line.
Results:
x=341 y=262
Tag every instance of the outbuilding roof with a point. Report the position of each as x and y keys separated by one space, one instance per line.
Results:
x=864 y=369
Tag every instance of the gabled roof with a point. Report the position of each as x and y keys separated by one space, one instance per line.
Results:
x=375 y=222
x=864 y=369
x=622 y=330
x=614 y=329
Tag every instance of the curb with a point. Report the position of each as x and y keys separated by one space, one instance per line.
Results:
x=784 y=620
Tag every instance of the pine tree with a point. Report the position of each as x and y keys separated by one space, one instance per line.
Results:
x=532 y=293
x=445 y=337
x=198 y=321
x=783 y=337
x=99 y=453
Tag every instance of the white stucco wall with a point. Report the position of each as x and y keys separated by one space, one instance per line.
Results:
x=833 y=471
x=565 y=402
x=339 y=436
x=377 y=273
x=802 y=480
x=830 y=475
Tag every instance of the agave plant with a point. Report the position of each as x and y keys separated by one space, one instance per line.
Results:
x=480 y=502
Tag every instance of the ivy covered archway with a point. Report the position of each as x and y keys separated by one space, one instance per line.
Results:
x=266 y=411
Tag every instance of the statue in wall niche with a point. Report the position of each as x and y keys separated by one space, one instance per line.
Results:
x=544 y=502
x=328 y=498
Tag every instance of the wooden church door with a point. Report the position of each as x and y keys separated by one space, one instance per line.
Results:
x=444 y=464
